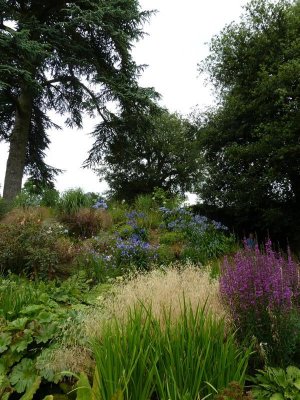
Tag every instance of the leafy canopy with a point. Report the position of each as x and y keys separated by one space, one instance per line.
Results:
x=140 y=152
x=251 y=139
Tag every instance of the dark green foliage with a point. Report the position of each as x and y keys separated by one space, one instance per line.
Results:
x=251 y=140
x=277 y=384
x=70 y=57
x=142 y=152
x=36 y=194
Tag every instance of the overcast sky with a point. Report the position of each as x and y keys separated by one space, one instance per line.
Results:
x=177 y=40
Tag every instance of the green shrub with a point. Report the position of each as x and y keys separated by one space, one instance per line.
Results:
x=25 y=200
x=208 y=245
x=72 y=200
x=191 y=358
x=171 y=237
x=35 y=196
x=86 y=222
x=30 y=247
x=49 y=197
x=125 y=231
x=134 y=252
x=277 y=384
x=205 y=239
x=144 y=203
x=118 y=212
x=99 y=268
x=165 y=255
x=104 y=242
x=164 y=199
x=4 y=207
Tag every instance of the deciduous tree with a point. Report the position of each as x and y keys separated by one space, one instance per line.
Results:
x=138 y=152
x=251 y=139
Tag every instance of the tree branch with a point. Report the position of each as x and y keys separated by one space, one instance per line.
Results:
x=70 y=78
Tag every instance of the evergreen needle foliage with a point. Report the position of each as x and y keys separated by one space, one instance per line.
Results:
x=70 y=57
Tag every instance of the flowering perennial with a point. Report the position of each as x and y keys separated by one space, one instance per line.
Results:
x=100 y=204
x=180 y=219
x=264 y=279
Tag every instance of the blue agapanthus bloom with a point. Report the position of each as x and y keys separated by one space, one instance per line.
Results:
x=100 y=204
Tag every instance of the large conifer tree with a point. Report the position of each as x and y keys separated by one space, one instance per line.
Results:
x=68 y=56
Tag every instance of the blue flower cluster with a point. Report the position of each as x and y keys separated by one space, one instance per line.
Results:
x=136 y=251
x=132 y=220
x=180 y=219
x=132 y=246
x=100 y=204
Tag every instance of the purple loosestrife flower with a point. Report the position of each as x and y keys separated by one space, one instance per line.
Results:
x=258 y=281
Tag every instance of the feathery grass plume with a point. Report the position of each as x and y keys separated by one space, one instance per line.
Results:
x=162 y=290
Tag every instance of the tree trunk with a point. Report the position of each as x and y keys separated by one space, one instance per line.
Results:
x=18 y=145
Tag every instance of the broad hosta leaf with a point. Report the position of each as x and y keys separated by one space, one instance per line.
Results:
x=5 y=340
x=23 y=375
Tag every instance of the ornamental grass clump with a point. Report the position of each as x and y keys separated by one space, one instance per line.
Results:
x=262 y=292
x=144 y=358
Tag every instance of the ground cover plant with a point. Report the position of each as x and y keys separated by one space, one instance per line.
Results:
x=31 y=317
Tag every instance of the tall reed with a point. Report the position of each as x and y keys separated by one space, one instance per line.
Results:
x=147 y=358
